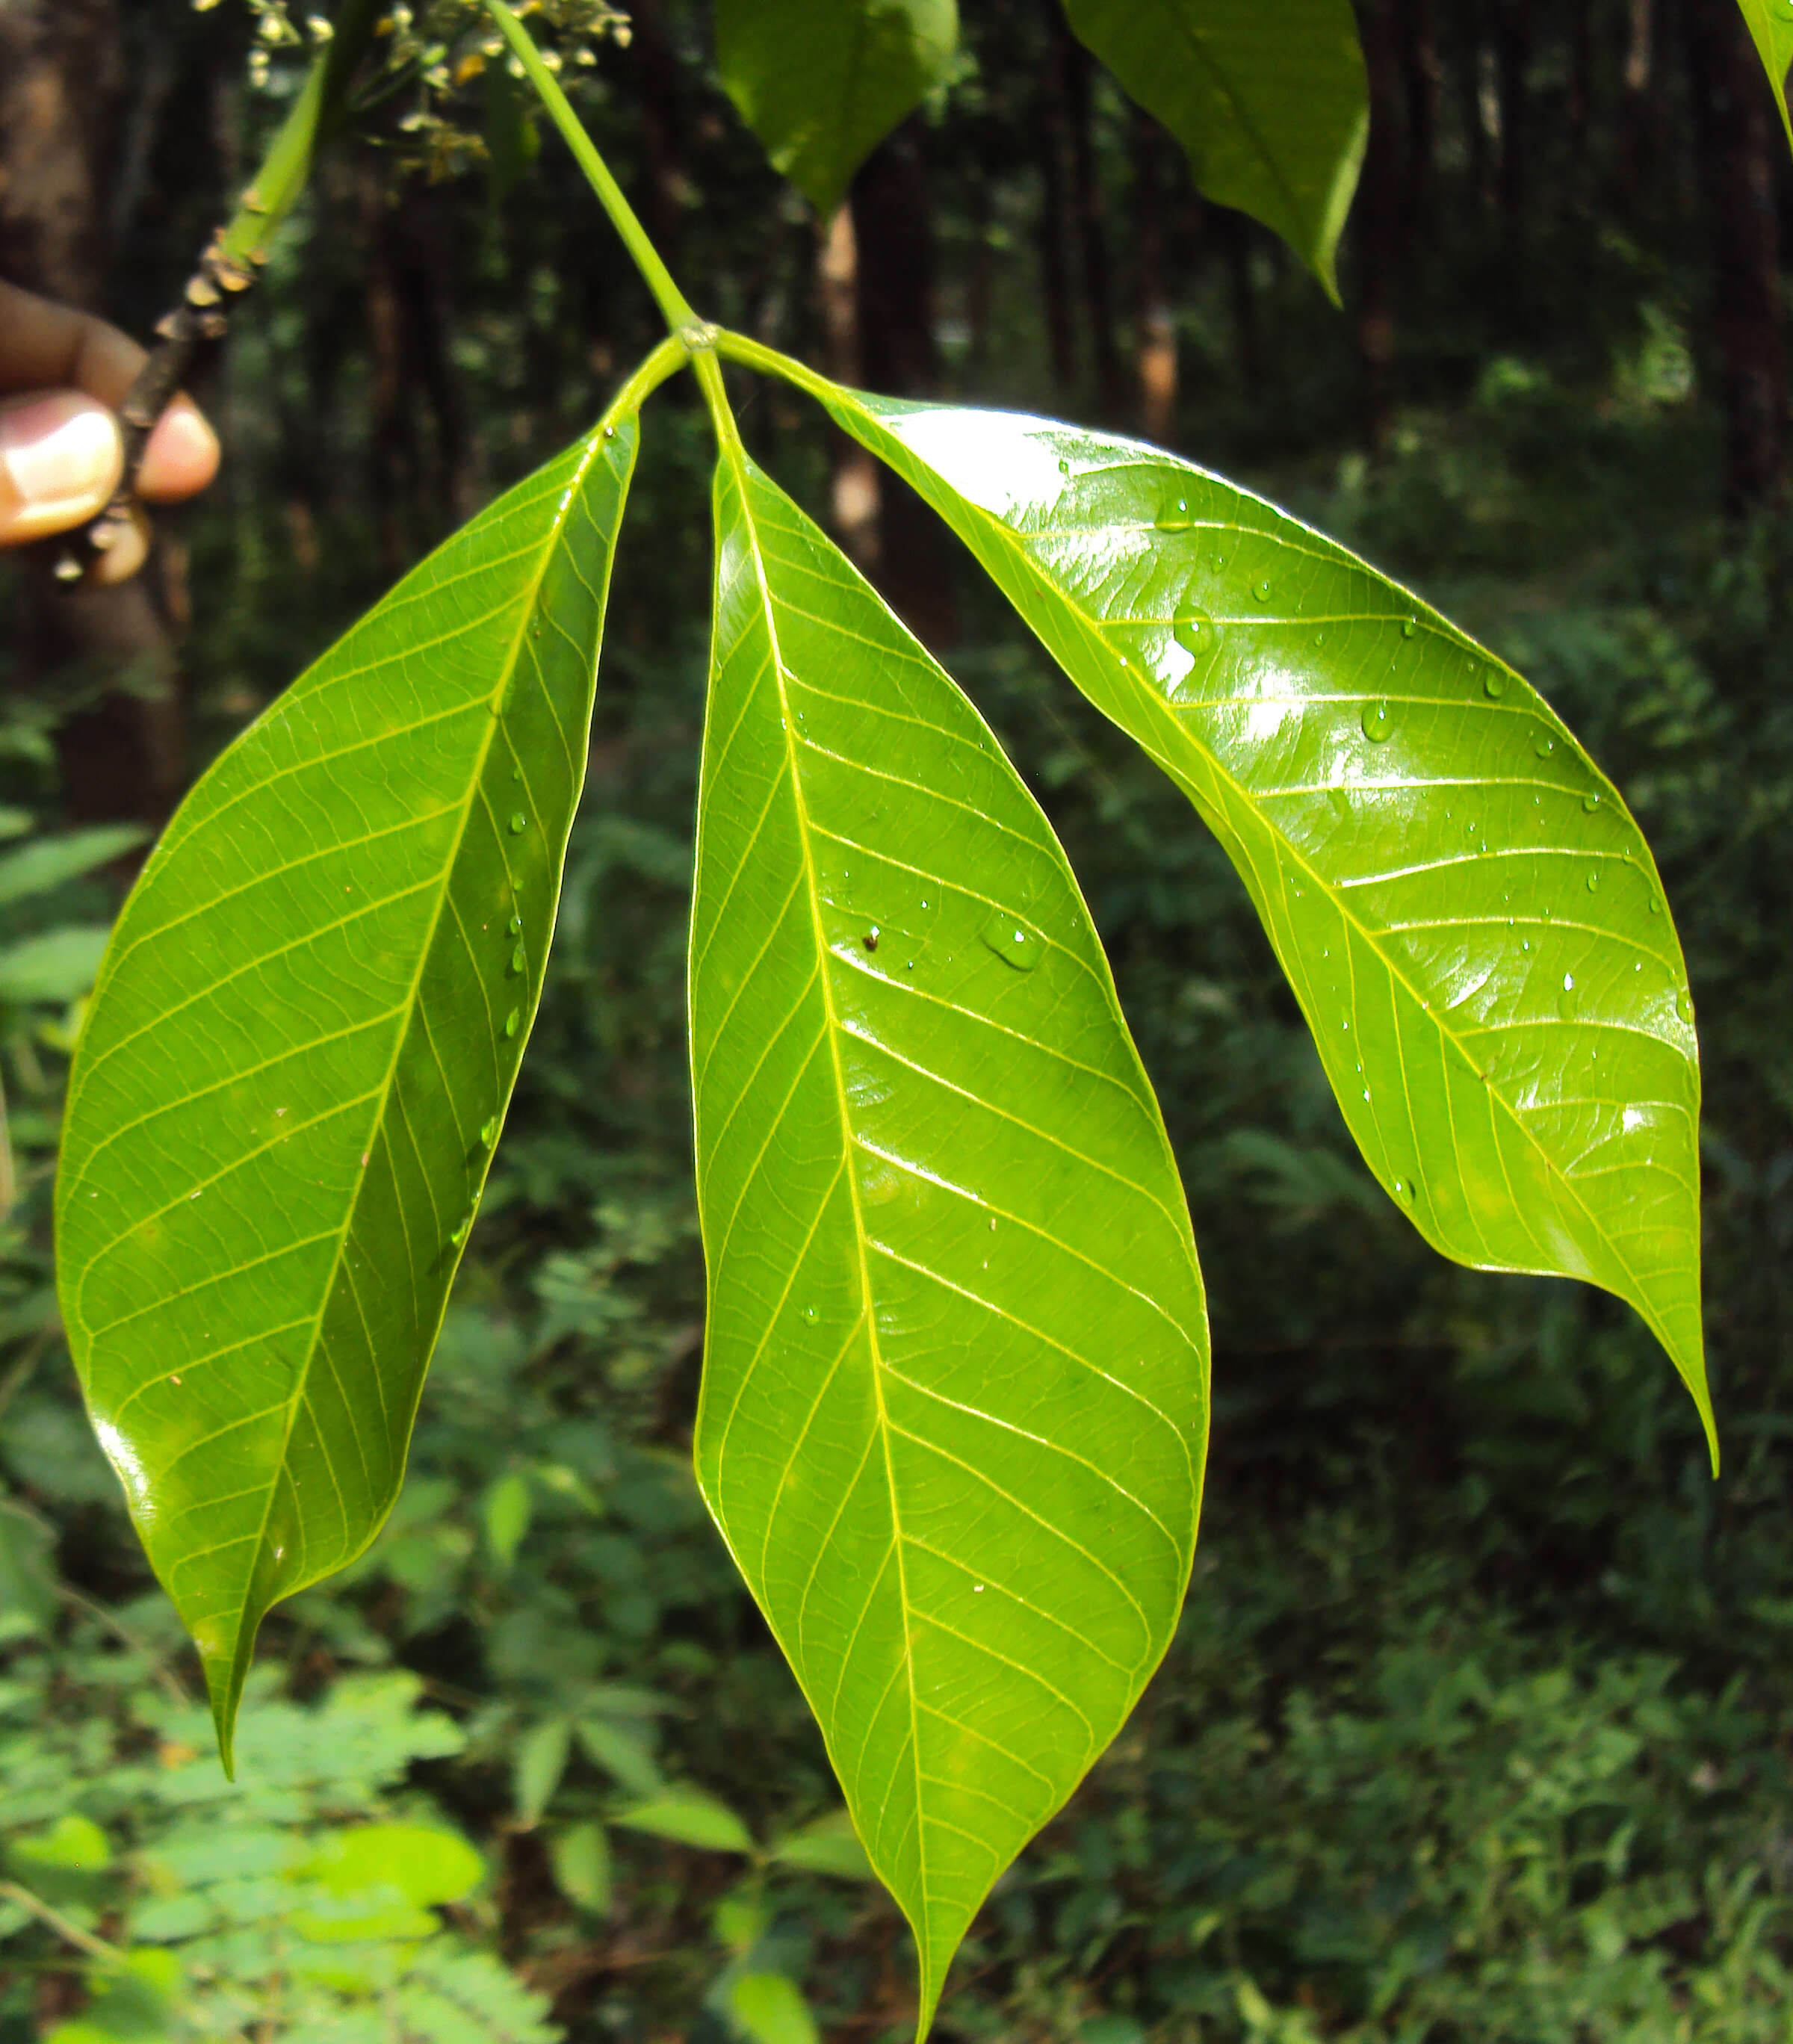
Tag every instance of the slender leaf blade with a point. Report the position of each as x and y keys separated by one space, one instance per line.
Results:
x=1469 y=915
x=1771 y=29
x=954 y=1394
x=822 y=86
x=48 y=862
x=303 y=1042
x=1272 y=104
x=56 y=966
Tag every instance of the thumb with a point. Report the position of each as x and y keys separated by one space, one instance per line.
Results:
x=60 y=460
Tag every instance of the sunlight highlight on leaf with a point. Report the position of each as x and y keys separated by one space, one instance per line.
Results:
x=953 y=1409
x=301 y=1048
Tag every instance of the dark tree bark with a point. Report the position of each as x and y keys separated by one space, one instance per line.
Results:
x=1379 y=219
x=1056 y=217
x=981 y=279
x=1637 y=120
x=1734 y=140
x=1581 y=104
x=1479 y=111
x=61 y=99
x=655 y=79
x=1154 y=173
x=892 y=208
x=853 y=487
x=1232 y=232
x=419 y=476
x=1417 y=38
x=1078 y=69
x=1512 y=58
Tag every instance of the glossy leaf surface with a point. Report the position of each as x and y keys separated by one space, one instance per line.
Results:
x=821 y=82
x=954 y=1406
x=1770 y=28
x=1272 y=103
x=1470 y=919
x=301 y=1049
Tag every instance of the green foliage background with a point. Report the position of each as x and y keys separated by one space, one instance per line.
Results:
x=1477 y=1724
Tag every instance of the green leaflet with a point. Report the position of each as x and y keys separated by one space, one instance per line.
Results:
x=954 y=1406
x=303 y=1043
x=1470 y=917
x=1271 y=102
x=1771 y=26
x=821 y=82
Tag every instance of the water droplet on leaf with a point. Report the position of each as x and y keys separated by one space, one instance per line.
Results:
x=516 y=958
x=1194 y=631
x=1261 y=591
x=1590 y=801
x=513 y=1021
x=489 y=1130
x=1544 y=745
x=1494 y=684
x=519 y=823
x=1409 y=626
x=1594 y=883
x=1173 y=514
x=871 y=937
x=1378 y=722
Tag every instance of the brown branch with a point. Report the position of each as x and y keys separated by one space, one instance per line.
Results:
x=202 y=317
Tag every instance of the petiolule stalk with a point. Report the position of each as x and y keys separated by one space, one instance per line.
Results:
x=228 y=267
x=678 y=313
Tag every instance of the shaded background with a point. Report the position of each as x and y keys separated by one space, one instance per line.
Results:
x=1477 y=1727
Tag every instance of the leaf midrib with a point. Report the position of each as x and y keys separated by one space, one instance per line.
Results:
x=1013 y=542
x=740 y=468
x=407 y=1007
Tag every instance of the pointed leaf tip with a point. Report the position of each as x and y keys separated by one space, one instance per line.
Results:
x=1771 y=29
x=1472 y=922
x=953 y=1409
x=1270 y=103
x=822 y=87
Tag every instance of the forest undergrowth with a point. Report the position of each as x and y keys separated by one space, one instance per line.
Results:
x=1477 y=1727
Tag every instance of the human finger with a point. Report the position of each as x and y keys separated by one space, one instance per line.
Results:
x=44 y=346
x=182 y=457
x=60 y=459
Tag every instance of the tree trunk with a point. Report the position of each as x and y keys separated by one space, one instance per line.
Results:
x=1077 y=67
x=1512 y=59
x=1378 y=223
x=1417 y=35
x=892 y=210
x=1580 y=108
x=1733 y=137
x=419 y=476
x=854 y=487
x=1154 y=167
x=1480 y=112
x=660 y=102
x=122 y=754
x=1054 y=132
x=1636 y=151
x=1233 y=231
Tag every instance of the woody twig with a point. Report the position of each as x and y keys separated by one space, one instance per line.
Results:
x=226 y=270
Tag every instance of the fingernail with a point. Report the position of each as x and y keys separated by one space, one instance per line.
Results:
x=59 y=456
